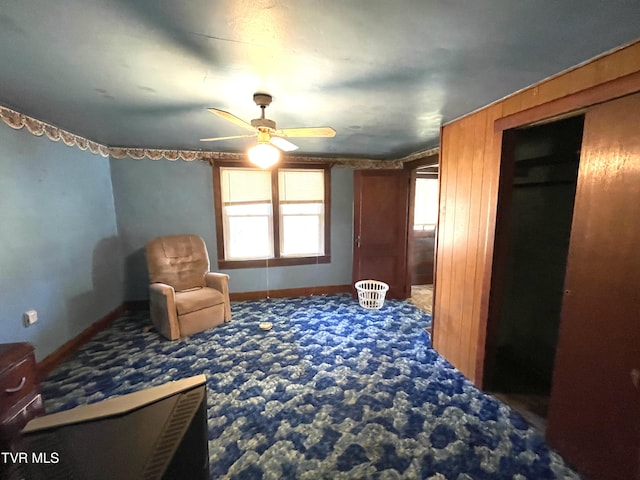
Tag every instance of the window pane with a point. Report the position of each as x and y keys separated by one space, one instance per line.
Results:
x=248 y=237
x=302 y=229
x=301 y=235
x=247 y=213
x=426 y=203
x=301 y=185
x=245 y=185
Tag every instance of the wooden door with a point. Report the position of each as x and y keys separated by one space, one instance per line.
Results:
x=594 y=417
x=381 y=202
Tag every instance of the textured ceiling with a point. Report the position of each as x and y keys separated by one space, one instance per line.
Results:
x=385 y=74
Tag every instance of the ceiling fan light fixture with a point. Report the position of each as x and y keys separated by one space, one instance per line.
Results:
x=264 y=155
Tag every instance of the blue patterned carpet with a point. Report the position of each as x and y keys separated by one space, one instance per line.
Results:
x=333 y=391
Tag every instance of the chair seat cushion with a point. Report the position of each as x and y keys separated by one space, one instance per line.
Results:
x=196 y=299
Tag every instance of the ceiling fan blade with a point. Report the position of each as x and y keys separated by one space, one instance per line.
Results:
x=213 y=139
x=232 y=118
x=307 y=132
x=282 y=144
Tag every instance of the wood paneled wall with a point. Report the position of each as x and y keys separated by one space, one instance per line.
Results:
x=470 y=154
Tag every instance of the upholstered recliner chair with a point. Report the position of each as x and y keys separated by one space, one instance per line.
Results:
x=184 y=296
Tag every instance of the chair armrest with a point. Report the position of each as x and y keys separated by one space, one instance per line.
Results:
x=162 y=306
x=161 y=289
x=220 y=281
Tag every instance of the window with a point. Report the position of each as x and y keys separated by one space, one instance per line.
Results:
x=272 y=217
x=425 y=214
x=246 y=212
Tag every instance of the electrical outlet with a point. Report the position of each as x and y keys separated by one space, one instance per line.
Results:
x=29 y=317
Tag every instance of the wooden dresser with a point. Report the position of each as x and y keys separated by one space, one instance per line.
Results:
x=20 y=398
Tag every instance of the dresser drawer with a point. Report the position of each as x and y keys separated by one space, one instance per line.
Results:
x=18 y=382
x=19 y=417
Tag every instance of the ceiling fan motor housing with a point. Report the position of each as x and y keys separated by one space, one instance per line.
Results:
x=263 y=123
x=262 y=99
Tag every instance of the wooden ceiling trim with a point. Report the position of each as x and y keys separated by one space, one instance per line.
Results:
x=577 y=101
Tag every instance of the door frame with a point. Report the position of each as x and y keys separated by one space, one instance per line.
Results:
x=504 y=127
x=574 y=104
x=413 y=166
x=500 y=254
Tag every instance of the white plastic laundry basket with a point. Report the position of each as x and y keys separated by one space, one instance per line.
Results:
x=371 y=293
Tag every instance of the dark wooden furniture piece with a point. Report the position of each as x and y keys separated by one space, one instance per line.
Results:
x=422 y=259
x=20 y=398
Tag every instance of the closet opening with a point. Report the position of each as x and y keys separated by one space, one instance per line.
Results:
x=534 y=221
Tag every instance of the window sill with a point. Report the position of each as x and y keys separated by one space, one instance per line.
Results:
x=272 y=262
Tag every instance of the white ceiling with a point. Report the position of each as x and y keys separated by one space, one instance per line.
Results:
x=385 y=74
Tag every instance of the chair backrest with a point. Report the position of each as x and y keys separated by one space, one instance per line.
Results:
x=178 y=260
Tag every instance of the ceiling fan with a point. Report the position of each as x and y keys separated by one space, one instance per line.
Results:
x=267 y=133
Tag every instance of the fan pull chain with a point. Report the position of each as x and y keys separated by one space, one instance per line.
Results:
x=267 y=278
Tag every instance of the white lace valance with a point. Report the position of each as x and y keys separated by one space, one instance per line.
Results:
x=18 y=121
x=36 y=127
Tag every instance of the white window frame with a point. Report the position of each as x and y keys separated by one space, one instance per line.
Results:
x=276 y=223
